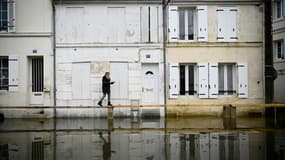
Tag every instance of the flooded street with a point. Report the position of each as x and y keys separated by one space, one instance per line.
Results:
x=198 y=138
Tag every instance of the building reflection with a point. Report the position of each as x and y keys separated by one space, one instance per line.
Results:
x=127 y=139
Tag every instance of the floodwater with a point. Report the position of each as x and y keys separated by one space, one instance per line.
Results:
x=205 y=138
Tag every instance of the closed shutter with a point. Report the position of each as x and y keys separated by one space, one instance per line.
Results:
x=242 y=80
x=231 y=28
x=213 y=80
x=173 y=80
x=11 y=16
x=13 y=73
x=222 y=22
x=202 y=23
x=173 y=24
x=203 y=80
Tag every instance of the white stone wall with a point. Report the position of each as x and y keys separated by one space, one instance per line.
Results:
x=105 y=40
x=33 y=32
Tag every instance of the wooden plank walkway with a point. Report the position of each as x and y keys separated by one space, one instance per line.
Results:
x=272 y=105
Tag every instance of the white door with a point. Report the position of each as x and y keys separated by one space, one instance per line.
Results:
x=150 y=84
x=36 y=80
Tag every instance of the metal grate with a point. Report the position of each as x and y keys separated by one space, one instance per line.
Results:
x=37 y=74
x=38 y=149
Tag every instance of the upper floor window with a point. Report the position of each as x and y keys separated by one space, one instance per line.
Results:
x=227 y=26
x=279 y=49
x=187 y=23
x=7 y=15
x=279 y=9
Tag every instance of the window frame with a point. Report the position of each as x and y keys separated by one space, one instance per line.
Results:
x=225 y=80
x=2 y=84
x=276 y=9
x=1 y=16
x=276 y=42
x=195 y=23
x=195 y=74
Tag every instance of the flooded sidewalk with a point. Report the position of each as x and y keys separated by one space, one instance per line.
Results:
x=206 y=138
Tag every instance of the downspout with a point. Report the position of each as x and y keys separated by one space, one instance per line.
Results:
x=164 y=53
x=54 y=58
x=269 y=77
x=54 y=80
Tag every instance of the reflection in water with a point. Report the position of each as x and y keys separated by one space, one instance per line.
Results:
x=145 y=139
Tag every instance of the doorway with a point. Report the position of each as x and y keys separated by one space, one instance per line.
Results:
x=150 y=84
x=36 y=80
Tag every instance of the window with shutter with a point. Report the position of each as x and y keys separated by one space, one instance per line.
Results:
x=188 y=23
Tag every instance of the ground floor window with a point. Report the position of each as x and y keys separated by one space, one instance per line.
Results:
x=227 y=78
x=187 y=79
x=4 y=73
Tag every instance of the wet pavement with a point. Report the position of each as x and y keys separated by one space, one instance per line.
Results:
x=199 y=138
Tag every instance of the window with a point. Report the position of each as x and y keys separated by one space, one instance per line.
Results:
x=227 y=79
x=279 y=8
x=227 y=24
x=186 y=23
x=187 y=79
x=279 y=45
x=3 y=15
x=7 y=15
x=4 y=73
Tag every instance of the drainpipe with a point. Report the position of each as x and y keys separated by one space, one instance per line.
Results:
x=269 y=71
x=54 y=58
x=164 y=53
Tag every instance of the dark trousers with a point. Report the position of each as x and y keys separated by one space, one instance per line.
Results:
x=104 y=95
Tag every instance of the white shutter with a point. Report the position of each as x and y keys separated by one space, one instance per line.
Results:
x=222 y=22
x=173 y=80
x=203 y=80
x=213 y=80
x=173 y=24
x=13 y=73
x=243 y=146
x=232 y=26
x=11 y=16
x=202 y=23
x=242 y=80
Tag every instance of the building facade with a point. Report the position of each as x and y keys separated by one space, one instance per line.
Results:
x=278 y=33
x=120 y=37
x=26 y=55
x=215 y=52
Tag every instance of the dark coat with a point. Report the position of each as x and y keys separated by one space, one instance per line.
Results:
x=106 y=84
